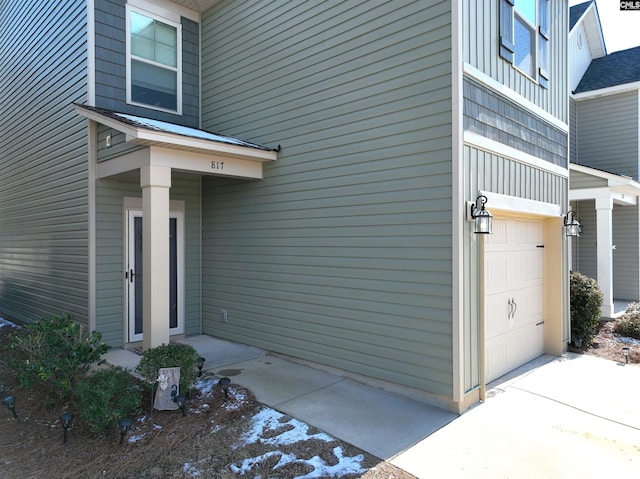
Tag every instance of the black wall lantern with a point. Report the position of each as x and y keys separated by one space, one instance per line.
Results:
x=571 y=225
x=483 y=220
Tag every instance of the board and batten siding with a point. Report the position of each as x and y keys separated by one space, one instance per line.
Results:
x=486 y=171
x=110 y=238
x=626 y=255
x=481 y=36
x=608 y=133
x=583 y=249
x=43 y=160
x=342 y=254
x=111 y=61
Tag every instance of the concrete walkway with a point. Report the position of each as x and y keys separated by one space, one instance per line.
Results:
x=555 y=417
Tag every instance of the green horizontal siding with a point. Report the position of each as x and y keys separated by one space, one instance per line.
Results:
x=43 y=160
x=110 y=224
x=342 y=254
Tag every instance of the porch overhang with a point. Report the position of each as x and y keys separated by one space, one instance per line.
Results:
x=605 y=189
x=177 y=147
x=620 y=189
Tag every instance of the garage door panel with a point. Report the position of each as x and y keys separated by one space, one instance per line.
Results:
x=508 y=351
x=514 y=296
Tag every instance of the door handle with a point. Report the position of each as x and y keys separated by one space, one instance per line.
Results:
x=129 y=275
x=515 y=308
x=510 y=303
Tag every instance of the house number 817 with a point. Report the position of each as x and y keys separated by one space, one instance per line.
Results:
x=217 y=165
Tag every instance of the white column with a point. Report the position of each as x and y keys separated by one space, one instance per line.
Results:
x=604 y=225
x=155 y=182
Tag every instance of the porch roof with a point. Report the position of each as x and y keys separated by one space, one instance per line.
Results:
x=622 y=189
x=178 y=147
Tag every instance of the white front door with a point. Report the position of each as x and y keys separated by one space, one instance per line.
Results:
x=135 y=279
x=514 y=295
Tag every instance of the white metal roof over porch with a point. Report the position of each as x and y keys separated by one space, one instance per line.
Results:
x=178 y=147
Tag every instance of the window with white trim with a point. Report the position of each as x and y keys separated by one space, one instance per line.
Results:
x=154 y=61
x=524 y=37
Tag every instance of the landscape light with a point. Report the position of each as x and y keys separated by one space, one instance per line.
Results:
x=181 y=400
x=65 y=419
x=200 y=364
x=224 y=383
x=10 y=402
x=124 y=424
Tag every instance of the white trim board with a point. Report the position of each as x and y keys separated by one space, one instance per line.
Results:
x=483 y=143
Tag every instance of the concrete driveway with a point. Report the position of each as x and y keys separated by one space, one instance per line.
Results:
x=576 y=416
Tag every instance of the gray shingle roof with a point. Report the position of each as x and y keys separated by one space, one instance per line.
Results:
x=576 y=12
x=614 y=69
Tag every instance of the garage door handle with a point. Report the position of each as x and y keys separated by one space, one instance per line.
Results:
x=512 y=308
x=515 y=308
x=540 y=323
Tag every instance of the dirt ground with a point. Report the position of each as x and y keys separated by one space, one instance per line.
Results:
x=218 y=438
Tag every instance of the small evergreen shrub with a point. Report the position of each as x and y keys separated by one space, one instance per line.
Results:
x=107 y=395
x=629 y=324
x=54 y=353
x=170 y=356
x=586 y=302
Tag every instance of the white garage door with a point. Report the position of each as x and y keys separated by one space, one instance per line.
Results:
x=514 y=295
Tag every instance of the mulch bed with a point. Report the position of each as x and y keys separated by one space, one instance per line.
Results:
x=204 y=444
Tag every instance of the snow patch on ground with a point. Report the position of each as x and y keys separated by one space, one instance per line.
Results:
x=8 y=324
x=277 y=429
x=268 y=421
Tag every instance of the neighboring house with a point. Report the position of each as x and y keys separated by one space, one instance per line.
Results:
x=337 y=232
x=605 y=159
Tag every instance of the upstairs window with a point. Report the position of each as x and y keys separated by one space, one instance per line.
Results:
x=524 y=37
x=154 y=58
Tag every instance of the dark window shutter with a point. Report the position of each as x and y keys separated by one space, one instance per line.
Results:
x=543 y=42
x=506 y=30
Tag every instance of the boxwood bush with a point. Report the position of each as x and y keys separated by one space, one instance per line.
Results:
x=586 y=303
x=54 y=353
x=107 y=395
x=170 y=356
x=629 y=324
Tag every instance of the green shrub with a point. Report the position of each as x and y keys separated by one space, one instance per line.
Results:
x=629 y=324
x=586 y=302
x=54 y=353
x=107 y=395
x=170 y=356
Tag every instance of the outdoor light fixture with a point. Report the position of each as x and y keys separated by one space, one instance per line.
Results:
x=181 y=400
x=571 y=225
x=200 y=364
x=625 y=353
x=224 y=383
x=482 y=218
x=10 y=402
x=124 y=424
x=65 y=419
